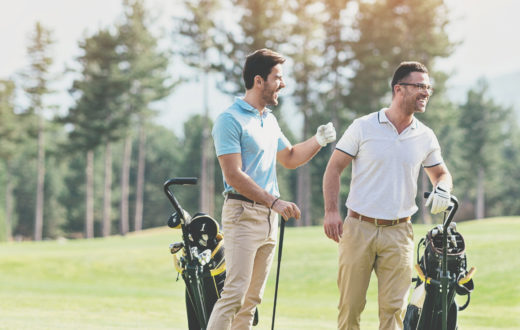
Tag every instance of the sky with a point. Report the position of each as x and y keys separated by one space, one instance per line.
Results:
x=487 y=29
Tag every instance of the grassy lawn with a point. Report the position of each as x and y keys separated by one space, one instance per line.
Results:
x=129 y=282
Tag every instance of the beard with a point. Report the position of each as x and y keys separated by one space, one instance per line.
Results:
x=270 y=96
x=420 y=104
x=416 y=103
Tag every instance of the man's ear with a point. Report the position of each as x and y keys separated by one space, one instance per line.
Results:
x=397 y=88
x=258 y=80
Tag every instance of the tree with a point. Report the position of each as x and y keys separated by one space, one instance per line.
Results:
x=37 y=81
x=337 y=56
x=98 y=116
x=146 y=68
x=306 y=51
x=505 y=192
x=482 y=124
x=259 y=25
x=200 y=29
x=11 y=134
x=164 y=159
x=391 y=32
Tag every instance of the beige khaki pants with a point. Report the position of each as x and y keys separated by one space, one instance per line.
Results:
x=389 y=252
x=249 y=243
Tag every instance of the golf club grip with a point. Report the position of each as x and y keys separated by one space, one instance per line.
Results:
x=171 y=197
x=181 y=181
x=454 y=200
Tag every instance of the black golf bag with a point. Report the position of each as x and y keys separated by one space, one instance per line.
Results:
x=201 y=260
x=432 y=304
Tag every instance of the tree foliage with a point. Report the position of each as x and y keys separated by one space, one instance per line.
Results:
x=341 y=56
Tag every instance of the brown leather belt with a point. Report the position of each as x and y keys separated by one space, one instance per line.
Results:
x=377 y=222
x=239 y=197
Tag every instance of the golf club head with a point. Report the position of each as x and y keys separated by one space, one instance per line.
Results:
x=176 y=247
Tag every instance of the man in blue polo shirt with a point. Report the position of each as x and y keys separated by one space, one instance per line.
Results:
x=248 y=142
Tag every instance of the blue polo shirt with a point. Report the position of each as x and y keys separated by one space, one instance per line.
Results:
x=257 y=138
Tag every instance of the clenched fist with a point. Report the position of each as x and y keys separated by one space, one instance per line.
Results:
x=326 y=134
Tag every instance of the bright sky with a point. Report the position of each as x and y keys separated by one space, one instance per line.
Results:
x=488 y=30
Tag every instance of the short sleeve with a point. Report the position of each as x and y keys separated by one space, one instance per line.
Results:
x=434 y=157
x=349 y=142
x=283 y=142
x=226 y=135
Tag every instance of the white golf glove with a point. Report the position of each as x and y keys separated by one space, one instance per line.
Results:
x=326 y=134
x=439 y=198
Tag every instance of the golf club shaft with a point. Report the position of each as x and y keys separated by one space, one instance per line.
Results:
x=282 y=229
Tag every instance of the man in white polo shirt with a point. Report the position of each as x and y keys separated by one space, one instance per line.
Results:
x=387 y=149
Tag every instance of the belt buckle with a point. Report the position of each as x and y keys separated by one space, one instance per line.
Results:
x=387 y=224
x=376 y=223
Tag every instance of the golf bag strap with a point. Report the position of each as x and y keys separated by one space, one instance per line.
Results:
x=217 y=271
x=215 y=250
x=176 y=264
x=421 y=274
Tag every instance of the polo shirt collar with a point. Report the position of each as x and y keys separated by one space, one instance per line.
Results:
x=382 y=118
x=248 y=107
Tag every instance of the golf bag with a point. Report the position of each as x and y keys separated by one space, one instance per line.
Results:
x=201 y=260
x=442 y=274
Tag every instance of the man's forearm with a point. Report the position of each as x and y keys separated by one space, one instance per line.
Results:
x=331 y=184
x=301 y=153
x=246 y=186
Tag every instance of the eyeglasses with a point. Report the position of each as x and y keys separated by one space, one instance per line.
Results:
x=423 y=87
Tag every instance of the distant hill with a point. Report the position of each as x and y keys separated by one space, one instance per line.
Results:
x=503 y=89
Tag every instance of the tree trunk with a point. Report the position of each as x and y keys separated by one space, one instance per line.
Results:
x=8 y=203
x=207 y=175
x=426 y=216
x=38 y=218
x=125 y=186
x=107 y=192
x=480 y=205
x=303 y=185
x=138 y=219
x=89 y=212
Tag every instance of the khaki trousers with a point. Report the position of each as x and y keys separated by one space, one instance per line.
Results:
x=249 y=243
x=389 y=252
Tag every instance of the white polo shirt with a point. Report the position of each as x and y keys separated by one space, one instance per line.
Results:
x=386 y=164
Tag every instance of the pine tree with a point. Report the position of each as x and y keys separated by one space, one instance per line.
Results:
x=482 y=124
x=146 y=68
x=199 y=28
x=11 y=135
x=37 y=81
x=98 y=115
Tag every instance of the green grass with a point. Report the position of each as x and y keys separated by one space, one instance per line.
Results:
x=129 y=282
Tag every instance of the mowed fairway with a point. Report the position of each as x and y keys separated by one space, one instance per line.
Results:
x=129 y=282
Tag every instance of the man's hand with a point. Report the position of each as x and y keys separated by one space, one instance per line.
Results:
x=439 y=198
x=286 y=209
x=333 y=226
x=326 y=134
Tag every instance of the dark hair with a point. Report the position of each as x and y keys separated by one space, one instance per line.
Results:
x=260 y=63
x=404 y=69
